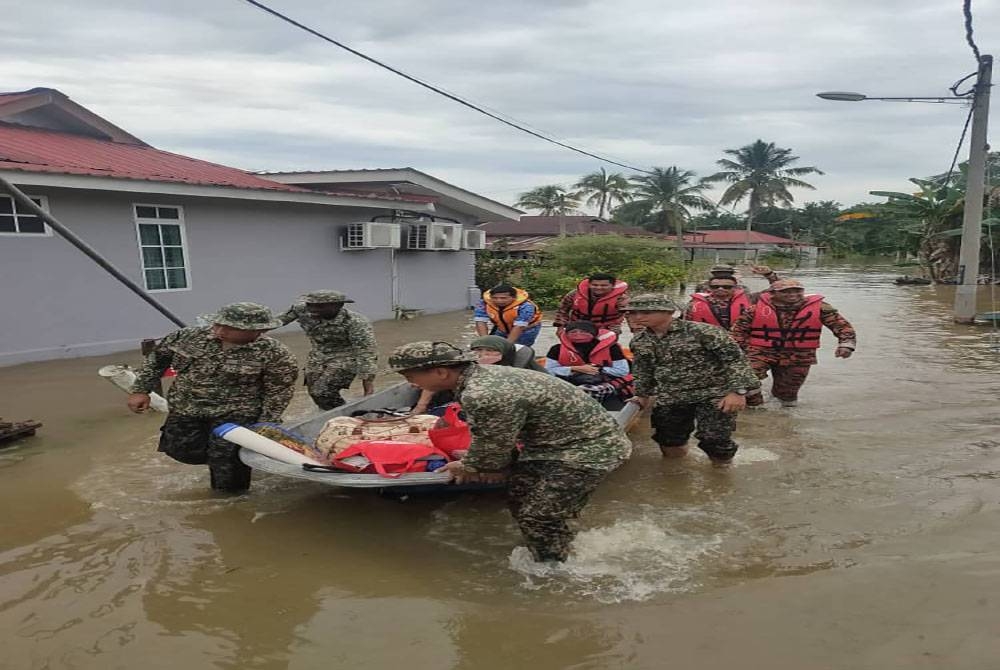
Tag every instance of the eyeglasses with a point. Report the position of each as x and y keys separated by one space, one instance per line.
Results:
x=728 y=287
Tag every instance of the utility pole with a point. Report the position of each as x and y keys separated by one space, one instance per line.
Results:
x=972 y=221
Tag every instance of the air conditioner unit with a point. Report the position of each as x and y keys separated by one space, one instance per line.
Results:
x=474 y=239
x=371 y=235
x=433 y=236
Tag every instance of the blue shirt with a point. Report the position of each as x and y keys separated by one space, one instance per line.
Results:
x=525 y=313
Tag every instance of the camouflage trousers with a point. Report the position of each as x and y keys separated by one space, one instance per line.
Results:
x=787 y=380
x=189 y=439
x=542 y=496
x=674 y=423
x=325 y=384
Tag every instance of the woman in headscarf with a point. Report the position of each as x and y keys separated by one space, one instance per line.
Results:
x=491 y=350
x=593 y=360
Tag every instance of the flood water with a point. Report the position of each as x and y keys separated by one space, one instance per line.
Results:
x=859 y=530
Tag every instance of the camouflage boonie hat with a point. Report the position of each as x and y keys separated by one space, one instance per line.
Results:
x=416 y=355
x=722 y=270
x=783 y=284
x=325 y=297
x=244 y=316
x=651 y=302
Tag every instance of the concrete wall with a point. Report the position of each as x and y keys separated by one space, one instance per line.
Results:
x=55 y=302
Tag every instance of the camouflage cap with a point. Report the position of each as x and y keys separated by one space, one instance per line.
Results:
x=244 y=316
x=722 y=270
x=416 y=355
x=325 y=297
x=783 y=284
x=651 y=302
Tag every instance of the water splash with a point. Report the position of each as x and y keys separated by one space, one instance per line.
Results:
x=631 y=560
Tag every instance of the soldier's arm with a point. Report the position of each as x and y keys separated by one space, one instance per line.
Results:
x=643 y=369
x=839 y=326
x=739 y=374
x=565 y=307
x=156 y=363
x=363 y=340
x=291 y=315
x=278 y=382
x=741 y=329
x=495 y=422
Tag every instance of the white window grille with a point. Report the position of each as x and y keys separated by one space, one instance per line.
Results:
x=163 y=251
x=14 y=221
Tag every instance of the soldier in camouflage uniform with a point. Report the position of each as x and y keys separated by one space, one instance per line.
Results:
x=226 y=373
x=691 y=374
x=570 y=443
x=786 y=347
x=343 y=346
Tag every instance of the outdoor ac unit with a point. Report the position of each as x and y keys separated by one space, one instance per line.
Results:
x=434 y=236
x=474 y=239
x=371 y=235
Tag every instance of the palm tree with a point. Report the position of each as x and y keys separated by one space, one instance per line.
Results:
x=670 y=195
x=760 y=171
x=604 y=190
x=549 y=200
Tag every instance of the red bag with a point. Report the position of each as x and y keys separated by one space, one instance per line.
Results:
x=388 y=458
x=455 y=435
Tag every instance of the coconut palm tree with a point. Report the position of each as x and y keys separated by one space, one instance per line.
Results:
x=760 y=172
x=670 y=195
x=551 y=200
x=604 y=190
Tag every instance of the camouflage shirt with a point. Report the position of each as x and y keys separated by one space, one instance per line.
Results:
x=689 y=363
x=828 y=316
x=346 y=342
x=255 y=379
x=553 y=419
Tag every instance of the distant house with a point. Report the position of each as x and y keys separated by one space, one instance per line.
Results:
x=533 y=233
x=198 y=234
x=732 y=244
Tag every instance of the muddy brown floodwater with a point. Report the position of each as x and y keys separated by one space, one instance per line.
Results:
x=859 y=530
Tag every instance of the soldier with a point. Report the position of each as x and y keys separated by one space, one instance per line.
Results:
x=781 y=334
x=570 y=443
x=343 y=346
x=691 y=374
x=226 y=373
x=600 y=299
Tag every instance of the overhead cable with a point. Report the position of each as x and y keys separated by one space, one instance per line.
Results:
x=439 y=90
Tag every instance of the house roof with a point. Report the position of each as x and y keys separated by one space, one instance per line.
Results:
x=84 y=145
x=737 y=237
x=405 y=180
x=551 y=226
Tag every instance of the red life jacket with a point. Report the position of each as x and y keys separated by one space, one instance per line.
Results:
x=802 y=333
x=600 y=355
x=601 y=311
x=701 y=308
x=504 y=318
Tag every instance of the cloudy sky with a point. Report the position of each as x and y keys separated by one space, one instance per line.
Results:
x=648 y=82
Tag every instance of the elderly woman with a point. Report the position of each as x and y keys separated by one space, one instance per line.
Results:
x=491 y=350
x=593 y=360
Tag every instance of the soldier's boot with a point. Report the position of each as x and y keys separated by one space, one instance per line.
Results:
x=674 y=450
x=721 y=454
x=789 y=403
x=229 y=477
x=328 y=401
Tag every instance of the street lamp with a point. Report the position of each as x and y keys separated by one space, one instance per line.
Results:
x=968 y=259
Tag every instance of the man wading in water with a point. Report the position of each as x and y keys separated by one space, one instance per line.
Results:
x=569 y=442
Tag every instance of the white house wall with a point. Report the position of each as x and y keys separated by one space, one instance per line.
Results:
x=55 y=302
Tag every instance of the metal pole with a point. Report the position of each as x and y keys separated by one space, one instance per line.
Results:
x=968 y=262
x=26 y=204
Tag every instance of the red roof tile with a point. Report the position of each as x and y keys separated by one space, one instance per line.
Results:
x=736 y=237
x=533 y=226
x=39 y=150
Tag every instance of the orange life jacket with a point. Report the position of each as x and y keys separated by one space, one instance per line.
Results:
x=802 y=333
x=600 y=355
x=701 y=308
x=504 y=318
x=601 y=311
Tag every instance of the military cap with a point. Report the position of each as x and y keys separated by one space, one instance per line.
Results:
x=324 y=297
x=722 y=270
x=244 y=316
x=651 y=302
x=416 y=355
x=783 y=284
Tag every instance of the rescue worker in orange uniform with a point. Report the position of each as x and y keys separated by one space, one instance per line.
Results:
x=601 y=299
x=508 y=312
x=724 y=300
x=781 y=334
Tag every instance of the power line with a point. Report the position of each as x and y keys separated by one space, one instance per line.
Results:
x=967 y=10
x=438 y=90
x=961 y=141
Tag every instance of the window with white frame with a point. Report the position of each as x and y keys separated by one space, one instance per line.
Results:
x=162 y=247
x=15 y=221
